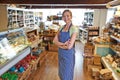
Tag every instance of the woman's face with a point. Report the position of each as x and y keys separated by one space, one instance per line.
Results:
x=67 y=17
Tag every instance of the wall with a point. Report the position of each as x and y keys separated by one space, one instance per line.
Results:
x=78 y=14
x=100 y=16
x=3 y=18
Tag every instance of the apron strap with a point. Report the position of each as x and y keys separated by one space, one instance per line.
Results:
x=69 y=32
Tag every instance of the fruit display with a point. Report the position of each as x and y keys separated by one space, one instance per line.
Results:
x=22 y=69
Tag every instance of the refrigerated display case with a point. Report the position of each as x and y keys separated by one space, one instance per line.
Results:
x=13 y=48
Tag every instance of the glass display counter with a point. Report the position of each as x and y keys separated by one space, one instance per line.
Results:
x=13 y=48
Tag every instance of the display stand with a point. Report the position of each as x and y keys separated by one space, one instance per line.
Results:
x=5 y=67
x=83 y=35
x=92 y=32
x=115 y=38
x=106 y=64
x=12 y=42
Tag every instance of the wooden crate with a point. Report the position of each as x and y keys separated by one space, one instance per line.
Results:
x=95 y=72
x=88 y=61
x=97 y=60
x=89 y=69
x=34 y=64
x=88 y=50
x=25 y=74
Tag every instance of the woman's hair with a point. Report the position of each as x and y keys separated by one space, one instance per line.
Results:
x=67 y=11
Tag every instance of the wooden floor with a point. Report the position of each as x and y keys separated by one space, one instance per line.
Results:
x=49 y=69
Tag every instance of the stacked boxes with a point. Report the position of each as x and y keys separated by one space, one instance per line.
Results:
x=106 y=74
x=91 y=67
x=88 y=50
x=97 y=60
x=88 y=54
x=96 y=73
x=101 y=74
x=94 y=62
x=88 y=61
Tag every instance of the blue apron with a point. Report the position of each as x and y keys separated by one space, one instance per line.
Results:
x=66 y=58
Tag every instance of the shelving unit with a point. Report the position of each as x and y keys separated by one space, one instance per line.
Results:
x=38 y=17
x=15 y=18
x=29 y=18
x=106 y=64
x=83 y=35
x=117 y=52
x=23 y=18
x=118 y=41
x=92 y=32
x=55 y=18
x=86 y=34
x=115 y=38
x=114 y=33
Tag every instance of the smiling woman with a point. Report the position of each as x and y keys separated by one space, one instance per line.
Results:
x=65 y=39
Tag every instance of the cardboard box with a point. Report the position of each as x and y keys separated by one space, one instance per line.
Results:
x=88 y=61
x=89 y=69
x=105 y=72
x=97 y=60
x=95 y=72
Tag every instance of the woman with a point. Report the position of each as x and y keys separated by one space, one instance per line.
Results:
x=65 y=39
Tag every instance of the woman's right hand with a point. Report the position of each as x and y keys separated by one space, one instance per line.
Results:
x=67 y=43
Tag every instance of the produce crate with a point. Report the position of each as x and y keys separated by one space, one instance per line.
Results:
x=34 y=64
x=25 y=74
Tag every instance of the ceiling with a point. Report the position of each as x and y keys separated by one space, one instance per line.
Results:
x=58 y=3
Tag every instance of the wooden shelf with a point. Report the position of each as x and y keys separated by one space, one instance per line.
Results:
x=115 y=38
x=92 y=32
x=83 y=35
x=117 y=52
